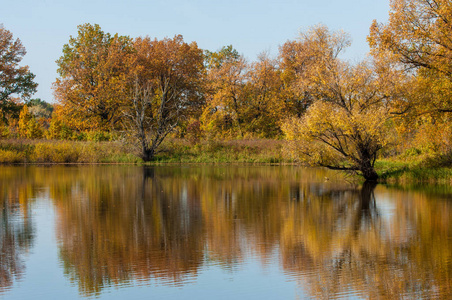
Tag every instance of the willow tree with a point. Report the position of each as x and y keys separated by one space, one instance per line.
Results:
x=164 y=87
x=345 y=127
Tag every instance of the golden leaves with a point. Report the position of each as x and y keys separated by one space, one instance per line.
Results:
x=346 y=124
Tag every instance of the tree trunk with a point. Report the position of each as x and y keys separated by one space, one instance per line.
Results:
x=147 y=154
x=368 y=171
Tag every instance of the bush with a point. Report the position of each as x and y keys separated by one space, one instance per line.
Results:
x=100 y=136
x=10 y=156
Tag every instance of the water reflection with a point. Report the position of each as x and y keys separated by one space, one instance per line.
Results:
x=121 y=226
x=167 y=223
x=116 y=227
x=16 y=227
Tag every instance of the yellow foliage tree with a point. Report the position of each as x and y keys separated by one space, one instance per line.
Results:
x=305 y=57
x=24 y=118
x=264 y=102
x=223 y=114
x=346 y=126
x=28 y=126
x=417 y=35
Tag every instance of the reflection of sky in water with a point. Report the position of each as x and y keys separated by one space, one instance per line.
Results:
x=388 y=213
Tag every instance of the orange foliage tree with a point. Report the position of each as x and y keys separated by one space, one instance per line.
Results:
x=164 y=87
x=417 y=39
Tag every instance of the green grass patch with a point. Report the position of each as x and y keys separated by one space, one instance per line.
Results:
x=234 y=151
x=431 y=170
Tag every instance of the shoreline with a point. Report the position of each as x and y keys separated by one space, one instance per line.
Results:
x=395 y=170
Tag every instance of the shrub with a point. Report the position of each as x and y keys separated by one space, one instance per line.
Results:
x=100 y=136
x=10 y=156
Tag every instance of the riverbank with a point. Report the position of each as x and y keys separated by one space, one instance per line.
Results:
x=172 y=151
x=22 y=151
x=432 y=170
x=399 y=170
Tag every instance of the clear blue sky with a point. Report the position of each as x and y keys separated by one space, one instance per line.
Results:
x=253 y=26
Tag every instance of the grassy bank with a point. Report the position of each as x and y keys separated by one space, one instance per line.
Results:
x=43 y=151
x=172 y=151
x=435 y=169
x=234 y=151
x=400 y=170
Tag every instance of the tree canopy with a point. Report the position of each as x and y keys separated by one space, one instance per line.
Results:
x=345 y=126
x=164 y=87
x=15 y=80
x=92 y=80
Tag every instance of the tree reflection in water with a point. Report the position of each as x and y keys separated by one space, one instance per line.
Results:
x=16 y=227
x=120 y=225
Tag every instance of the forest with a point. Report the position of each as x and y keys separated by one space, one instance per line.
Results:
x=141 y=99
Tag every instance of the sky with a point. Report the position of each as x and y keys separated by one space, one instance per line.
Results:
x=250 y=26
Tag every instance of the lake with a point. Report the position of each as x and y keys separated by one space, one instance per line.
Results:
x=219 y=232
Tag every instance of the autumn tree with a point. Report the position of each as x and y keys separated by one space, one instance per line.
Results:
x=418 y=35
x=164 y=88
x=92 y=83
x=15 y=80
x=308 y=55
x=417 y=39
x=225 y=105
x=28 y=126
x=264 y=98
x=346 y=125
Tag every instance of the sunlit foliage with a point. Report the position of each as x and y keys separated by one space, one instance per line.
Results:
x=15 y=80
x=346 y=124
x=92 y=84
x=164 y=87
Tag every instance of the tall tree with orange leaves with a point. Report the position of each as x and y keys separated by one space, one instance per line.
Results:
x=164 y=87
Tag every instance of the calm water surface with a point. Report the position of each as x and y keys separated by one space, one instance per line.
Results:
x=219 y=232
